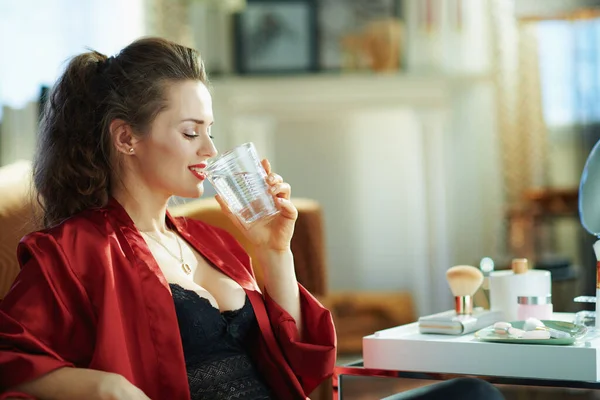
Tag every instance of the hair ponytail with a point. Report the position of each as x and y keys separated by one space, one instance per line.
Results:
x=70 y=170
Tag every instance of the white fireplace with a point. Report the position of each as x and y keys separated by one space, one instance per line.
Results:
x=382 y=155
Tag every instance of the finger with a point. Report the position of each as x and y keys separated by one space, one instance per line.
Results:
x=136 y=393
x=229 y=213
x=273 y=178
x=283 y=190
x=266 y=165
x=287 y=208
x=223 y=205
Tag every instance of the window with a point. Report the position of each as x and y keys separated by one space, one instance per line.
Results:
x=38 y=36
x=570 y=71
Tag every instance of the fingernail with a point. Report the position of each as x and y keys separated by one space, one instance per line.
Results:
x=271 y=179
x=272 y=189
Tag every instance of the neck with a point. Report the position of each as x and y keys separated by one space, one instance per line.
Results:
x=146 y=209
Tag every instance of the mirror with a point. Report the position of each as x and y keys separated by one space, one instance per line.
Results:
x=589 y=193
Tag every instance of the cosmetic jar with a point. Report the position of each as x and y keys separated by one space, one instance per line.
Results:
x=520 y=280
x=539 y=307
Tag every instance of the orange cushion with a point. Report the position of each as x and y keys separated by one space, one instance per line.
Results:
x=16 y=217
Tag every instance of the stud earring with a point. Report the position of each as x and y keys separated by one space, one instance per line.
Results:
x=131 y=150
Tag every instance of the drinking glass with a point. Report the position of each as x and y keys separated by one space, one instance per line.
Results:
x=239 y=178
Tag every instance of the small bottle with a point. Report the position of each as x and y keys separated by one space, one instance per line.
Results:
x=539 y=307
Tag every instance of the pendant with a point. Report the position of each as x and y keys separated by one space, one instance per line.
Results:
x=186 y=268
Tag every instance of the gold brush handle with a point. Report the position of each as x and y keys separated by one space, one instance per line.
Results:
x=463 y=305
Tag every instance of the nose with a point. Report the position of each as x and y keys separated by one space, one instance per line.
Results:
x=207 y=149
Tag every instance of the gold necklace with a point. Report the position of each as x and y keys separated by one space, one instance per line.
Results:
x=184 y=266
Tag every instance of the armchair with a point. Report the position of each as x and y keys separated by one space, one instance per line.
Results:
x=16 y=217
x=307 y=242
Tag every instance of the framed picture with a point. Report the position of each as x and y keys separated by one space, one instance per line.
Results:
x=346 y=25
x=276 y=36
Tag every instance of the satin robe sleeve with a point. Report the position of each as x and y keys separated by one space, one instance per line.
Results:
x=312 y=359
x=45 y=319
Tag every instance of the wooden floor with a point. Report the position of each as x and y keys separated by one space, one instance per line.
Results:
x=359 y=388
x=377 y=388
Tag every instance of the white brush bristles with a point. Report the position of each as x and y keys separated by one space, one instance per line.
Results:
x=597 y=250
x=464 y=280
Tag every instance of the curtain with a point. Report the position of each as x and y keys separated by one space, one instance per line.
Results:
x=205 y=25
x=170 y=19
x=522 y=131
x=522 y=134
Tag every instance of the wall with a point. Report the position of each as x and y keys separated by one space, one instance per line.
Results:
x=369 y=179
x=474 y=177
x=406 y=170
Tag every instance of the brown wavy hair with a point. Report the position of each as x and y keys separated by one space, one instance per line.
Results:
x=75 y=155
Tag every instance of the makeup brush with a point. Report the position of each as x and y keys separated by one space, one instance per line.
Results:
x=464 y=280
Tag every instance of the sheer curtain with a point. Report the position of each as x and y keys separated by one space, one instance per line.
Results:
x=38 y=37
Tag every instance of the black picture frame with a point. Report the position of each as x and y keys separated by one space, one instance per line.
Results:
x=276 y=37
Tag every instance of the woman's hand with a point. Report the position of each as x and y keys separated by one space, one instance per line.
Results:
x=81 y=383
x=116 y=387
x=274 y=234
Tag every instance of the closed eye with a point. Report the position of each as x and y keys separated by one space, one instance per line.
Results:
x=190 y=135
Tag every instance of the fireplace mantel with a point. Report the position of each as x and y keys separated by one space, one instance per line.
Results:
x=324 y=92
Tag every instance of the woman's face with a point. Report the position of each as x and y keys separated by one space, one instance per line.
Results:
x=172 y=157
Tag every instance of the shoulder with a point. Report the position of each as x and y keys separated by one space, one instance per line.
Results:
x=89 y=226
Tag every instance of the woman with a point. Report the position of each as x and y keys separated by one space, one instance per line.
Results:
x=116 y=299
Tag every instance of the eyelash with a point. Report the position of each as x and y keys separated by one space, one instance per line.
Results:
x=195 y=136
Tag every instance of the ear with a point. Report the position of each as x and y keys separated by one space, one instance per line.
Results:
x=122 y=136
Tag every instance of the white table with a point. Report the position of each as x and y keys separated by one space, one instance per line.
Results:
x=403 y=351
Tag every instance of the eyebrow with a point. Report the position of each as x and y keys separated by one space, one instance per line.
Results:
x=196 y=121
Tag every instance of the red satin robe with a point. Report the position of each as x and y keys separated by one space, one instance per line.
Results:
x=90 y=295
